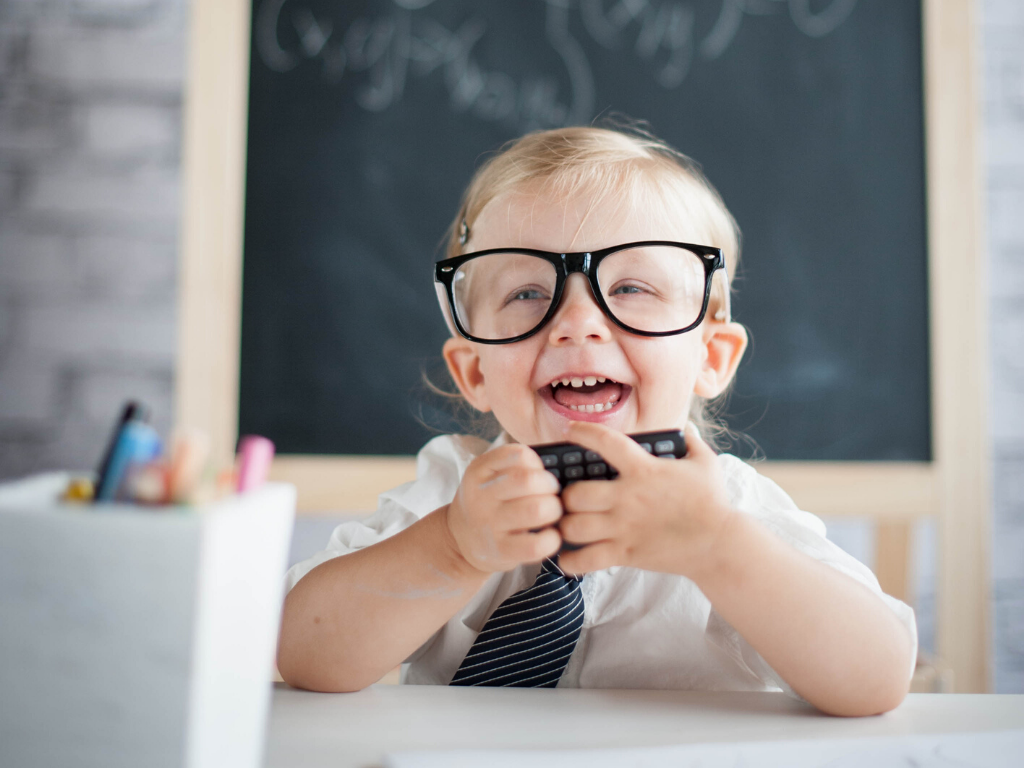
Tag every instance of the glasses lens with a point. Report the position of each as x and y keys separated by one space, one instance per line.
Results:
x=653 y=288
x=503 y=295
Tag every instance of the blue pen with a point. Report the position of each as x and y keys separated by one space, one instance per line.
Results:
x=137 y=444
x=132 y=411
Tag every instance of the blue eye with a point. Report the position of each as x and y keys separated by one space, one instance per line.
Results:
x=625 y=289
x=527 y=294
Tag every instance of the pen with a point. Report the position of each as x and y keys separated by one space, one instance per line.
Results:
x=132 y=410
x=137 y=444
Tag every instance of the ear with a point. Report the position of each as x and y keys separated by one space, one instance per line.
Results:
x=464 y=365
x=724 y=344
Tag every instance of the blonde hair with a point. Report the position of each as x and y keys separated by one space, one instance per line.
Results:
x=612 y=158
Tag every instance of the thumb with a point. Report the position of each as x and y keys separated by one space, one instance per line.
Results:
x=695 y=445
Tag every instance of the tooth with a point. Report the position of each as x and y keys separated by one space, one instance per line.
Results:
x=565 y=382
x=573 y=408
x=590 y=381
x=599 y=407
x=577 y=382
x=601 y=379
x=589 y=409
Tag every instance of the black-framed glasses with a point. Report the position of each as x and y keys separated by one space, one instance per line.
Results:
x=650 y=288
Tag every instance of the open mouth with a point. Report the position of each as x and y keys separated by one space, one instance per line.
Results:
x=588 y=394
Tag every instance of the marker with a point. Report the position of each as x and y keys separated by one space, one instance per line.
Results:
x=137 y=444
x=254 y=456
x=132 y=411
x=190 y=449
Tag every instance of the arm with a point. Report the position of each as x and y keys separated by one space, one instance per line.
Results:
x=353 y=618
x=834 y=641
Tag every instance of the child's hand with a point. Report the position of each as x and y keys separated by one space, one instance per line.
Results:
x=504 y=495
x=658 y=514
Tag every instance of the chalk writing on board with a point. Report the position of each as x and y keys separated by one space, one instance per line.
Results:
x=405 y=43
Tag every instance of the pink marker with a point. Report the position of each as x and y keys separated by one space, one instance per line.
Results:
x=254 y=456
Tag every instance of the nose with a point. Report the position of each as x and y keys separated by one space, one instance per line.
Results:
x=579 y=318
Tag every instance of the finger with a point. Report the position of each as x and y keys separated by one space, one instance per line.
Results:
x=518 y=481
x=532 y=547
x=510 y=456
x=696 y=448
x=530 y=512
x=593 y=557
x=589 y=496
x=620 y=450
x=588 y=528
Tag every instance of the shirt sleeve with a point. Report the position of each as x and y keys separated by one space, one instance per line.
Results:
x=439 y=468
x=760 y=497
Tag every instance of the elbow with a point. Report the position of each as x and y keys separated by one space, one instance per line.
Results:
x=322 y=685
x=893 y=683
x=298 y=673
x=887 y=688
x=877 y=701
x=877 y=693
x=302 y=664
x=302 y=667
x=889 y=700
x=892 y=688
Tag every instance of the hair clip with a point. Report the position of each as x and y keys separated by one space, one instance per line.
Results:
x=463 y=232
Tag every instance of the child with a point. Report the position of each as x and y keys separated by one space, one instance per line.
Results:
x=696 y=573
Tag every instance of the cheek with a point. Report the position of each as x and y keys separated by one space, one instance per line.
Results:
x=667 y=369
x=507 y=369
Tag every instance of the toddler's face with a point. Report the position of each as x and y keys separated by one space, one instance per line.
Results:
x=630 y=383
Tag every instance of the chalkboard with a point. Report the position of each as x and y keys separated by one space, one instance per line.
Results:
x=366 y=120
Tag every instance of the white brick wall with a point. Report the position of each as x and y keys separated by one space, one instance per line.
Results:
x=29 y=393
x=90 y=113
x=90 y=110
x=130 y=132
x=111 y=53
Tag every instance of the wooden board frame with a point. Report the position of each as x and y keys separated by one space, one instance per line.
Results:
x=954 y=487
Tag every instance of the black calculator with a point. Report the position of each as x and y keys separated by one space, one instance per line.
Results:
x=569 y=462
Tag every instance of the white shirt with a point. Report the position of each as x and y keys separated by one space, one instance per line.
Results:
x=641 y=629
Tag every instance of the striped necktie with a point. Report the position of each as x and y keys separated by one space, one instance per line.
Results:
x=527 y=641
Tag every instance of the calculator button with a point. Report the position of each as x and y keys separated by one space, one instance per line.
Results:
x=663 y=446
x=646 y=446
x=573 y=473
x=550 y=460
x=555 y=472
x=591 y=456
x=572 y=457
x=666 y=455
x=596 y=470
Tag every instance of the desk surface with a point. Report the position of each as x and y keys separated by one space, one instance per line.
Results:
x=345 y=730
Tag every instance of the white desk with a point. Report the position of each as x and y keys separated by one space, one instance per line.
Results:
x=346 y=730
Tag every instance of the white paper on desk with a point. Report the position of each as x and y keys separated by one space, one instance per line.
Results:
x=1000 y=749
